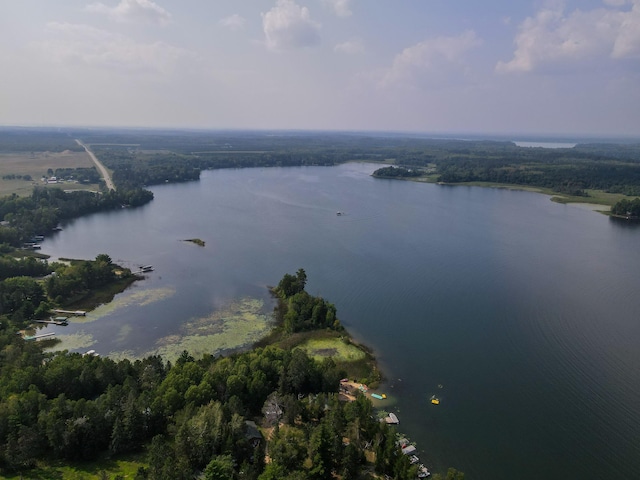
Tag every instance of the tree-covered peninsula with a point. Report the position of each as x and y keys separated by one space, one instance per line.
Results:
x=270 y=414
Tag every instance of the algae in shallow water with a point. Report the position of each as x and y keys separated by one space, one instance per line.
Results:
x=140 y=298
x=74 y=341
x=124 y=332
x=241 y=323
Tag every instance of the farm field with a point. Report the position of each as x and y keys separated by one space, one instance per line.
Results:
x=36 y=165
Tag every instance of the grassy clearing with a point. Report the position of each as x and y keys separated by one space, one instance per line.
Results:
x=596 y=197
x=341 y=350
x=36 y=164
x=357 y=361
x=126 y=465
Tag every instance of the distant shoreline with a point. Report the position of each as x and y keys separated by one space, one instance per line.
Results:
x=597 y=197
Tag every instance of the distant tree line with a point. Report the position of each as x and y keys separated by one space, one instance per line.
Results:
x=22 y=140
x=181 y=156
x=570 y=178
x=13 y=176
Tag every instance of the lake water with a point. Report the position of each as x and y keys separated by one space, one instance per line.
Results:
x=524 y=310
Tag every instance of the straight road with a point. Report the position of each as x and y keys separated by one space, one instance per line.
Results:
x=101 y=167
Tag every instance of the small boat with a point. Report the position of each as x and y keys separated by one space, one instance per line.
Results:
x=435 y=400
x=423 y=472
x=413 y=459
x=377 y=397
x=339 y=213
x=147 y=268
x=393 y=419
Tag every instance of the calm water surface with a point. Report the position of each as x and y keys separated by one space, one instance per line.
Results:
x=525 y=311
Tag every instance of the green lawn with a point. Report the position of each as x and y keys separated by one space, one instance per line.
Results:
x=124 y=465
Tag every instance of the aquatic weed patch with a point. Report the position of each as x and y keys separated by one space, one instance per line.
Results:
x=140 y=299
x=238 y=325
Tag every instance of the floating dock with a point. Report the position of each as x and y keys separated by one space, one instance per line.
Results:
x=38 y=337
x=77 y=313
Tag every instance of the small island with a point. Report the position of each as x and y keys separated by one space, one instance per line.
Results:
x=197 y=241
x=397 y=172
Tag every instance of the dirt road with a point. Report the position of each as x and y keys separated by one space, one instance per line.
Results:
x=101 y=167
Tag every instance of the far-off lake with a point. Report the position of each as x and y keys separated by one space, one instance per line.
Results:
x=524 y=311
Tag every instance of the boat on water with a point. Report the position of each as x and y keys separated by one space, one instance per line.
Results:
x=147 y=268
x=435 y=400
x=393 y=419
x=338 y=213
x=423 y=472
x=378 y=396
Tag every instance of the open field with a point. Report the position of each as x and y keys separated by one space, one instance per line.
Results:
x=356 y=360
x=596 y=197
x=36 y=164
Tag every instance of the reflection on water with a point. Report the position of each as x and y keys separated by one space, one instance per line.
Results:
x=525 y=310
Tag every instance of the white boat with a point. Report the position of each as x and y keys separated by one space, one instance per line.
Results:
x=423 y=472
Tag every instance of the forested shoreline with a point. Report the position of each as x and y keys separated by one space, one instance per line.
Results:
x=189 y=419
x=212 y=417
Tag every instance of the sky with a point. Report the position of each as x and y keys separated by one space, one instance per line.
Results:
x=442 y=66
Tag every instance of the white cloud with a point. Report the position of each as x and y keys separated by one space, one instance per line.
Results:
x=288 y=25
x=233 y=22
x=133 y=11
x=555 y=39
x=73 y=44
x=432 y=57
x=340 y=7
x=350 y=47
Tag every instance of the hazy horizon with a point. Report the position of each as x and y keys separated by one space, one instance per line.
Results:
x=541 y=68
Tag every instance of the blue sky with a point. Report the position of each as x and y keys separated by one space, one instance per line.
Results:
x=497 y=66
